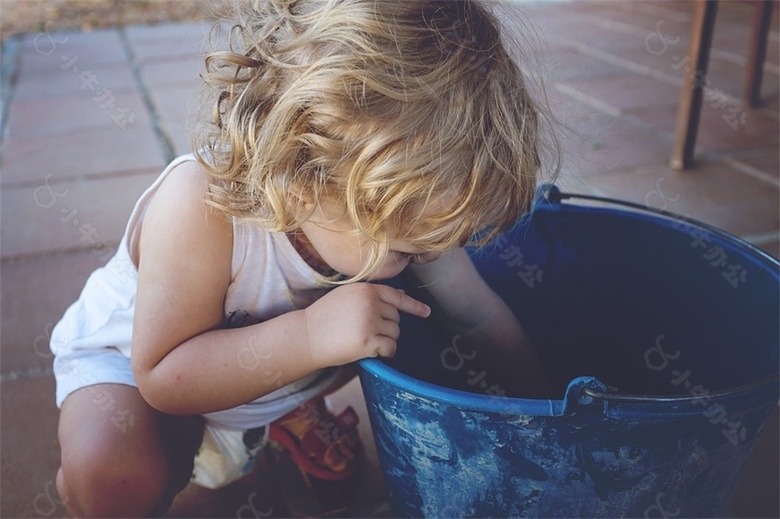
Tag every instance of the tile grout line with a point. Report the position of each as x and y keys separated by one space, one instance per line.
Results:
x=585 y=98
x=611 y=110
x=633 y=30
x=762 y=238
x=9 y=67
x=751 y=171
x=655 y=11
x=163 y=139
x=642 y=70
x=735 y=163
x=68 y=180
x=25 y=256
x=26 y=374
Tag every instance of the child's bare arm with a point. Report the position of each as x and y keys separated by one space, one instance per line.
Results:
x=184 y=363
x=473 y=311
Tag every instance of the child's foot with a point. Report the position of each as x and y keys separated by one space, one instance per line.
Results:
x=323 y=445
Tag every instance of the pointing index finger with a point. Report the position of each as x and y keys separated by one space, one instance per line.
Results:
x=403 y=302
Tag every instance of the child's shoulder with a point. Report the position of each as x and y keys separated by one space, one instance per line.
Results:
x=188 y=170
x=185 y=183
x=180 y=210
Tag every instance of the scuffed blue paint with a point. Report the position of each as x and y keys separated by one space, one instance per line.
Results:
x=441 y=461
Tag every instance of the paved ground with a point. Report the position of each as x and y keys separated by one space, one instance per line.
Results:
x=89 y=120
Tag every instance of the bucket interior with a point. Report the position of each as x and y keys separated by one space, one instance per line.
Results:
x=613 y=285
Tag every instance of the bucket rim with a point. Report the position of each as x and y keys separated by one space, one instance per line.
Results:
x=456 y=397
x=607 y=402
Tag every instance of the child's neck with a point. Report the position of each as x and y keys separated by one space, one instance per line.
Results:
x=303 y=247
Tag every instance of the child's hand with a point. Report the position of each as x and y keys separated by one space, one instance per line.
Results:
x=357 y=321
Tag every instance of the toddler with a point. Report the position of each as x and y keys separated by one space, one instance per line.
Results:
x=352 y=140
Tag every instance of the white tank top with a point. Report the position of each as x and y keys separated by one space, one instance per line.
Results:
x=269 y=278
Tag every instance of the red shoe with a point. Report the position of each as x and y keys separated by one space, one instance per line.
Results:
x=311 y=432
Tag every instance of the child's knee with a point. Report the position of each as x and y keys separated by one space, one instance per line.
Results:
x=94 y=484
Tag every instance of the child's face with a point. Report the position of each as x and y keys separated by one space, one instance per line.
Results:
x=336 y=241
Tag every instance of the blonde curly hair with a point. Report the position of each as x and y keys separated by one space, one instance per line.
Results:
x=381 y=106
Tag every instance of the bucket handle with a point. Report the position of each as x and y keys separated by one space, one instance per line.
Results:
x=552 y=194
x=615 y=397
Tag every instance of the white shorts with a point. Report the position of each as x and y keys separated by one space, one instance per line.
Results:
x=84 y=368
x=232 y=438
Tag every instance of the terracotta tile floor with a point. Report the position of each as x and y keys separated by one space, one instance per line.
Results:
x=609 y=81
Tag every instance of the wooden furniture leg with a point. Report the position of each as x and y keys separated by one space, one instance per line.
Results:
x=762 y=20
x=693 y=84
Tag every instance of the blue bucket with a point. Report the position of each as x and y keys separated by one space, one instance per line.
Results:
x=660 y=335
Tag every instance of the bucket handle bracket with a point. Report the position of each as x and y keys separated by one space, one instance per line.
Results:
x=577 y=399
